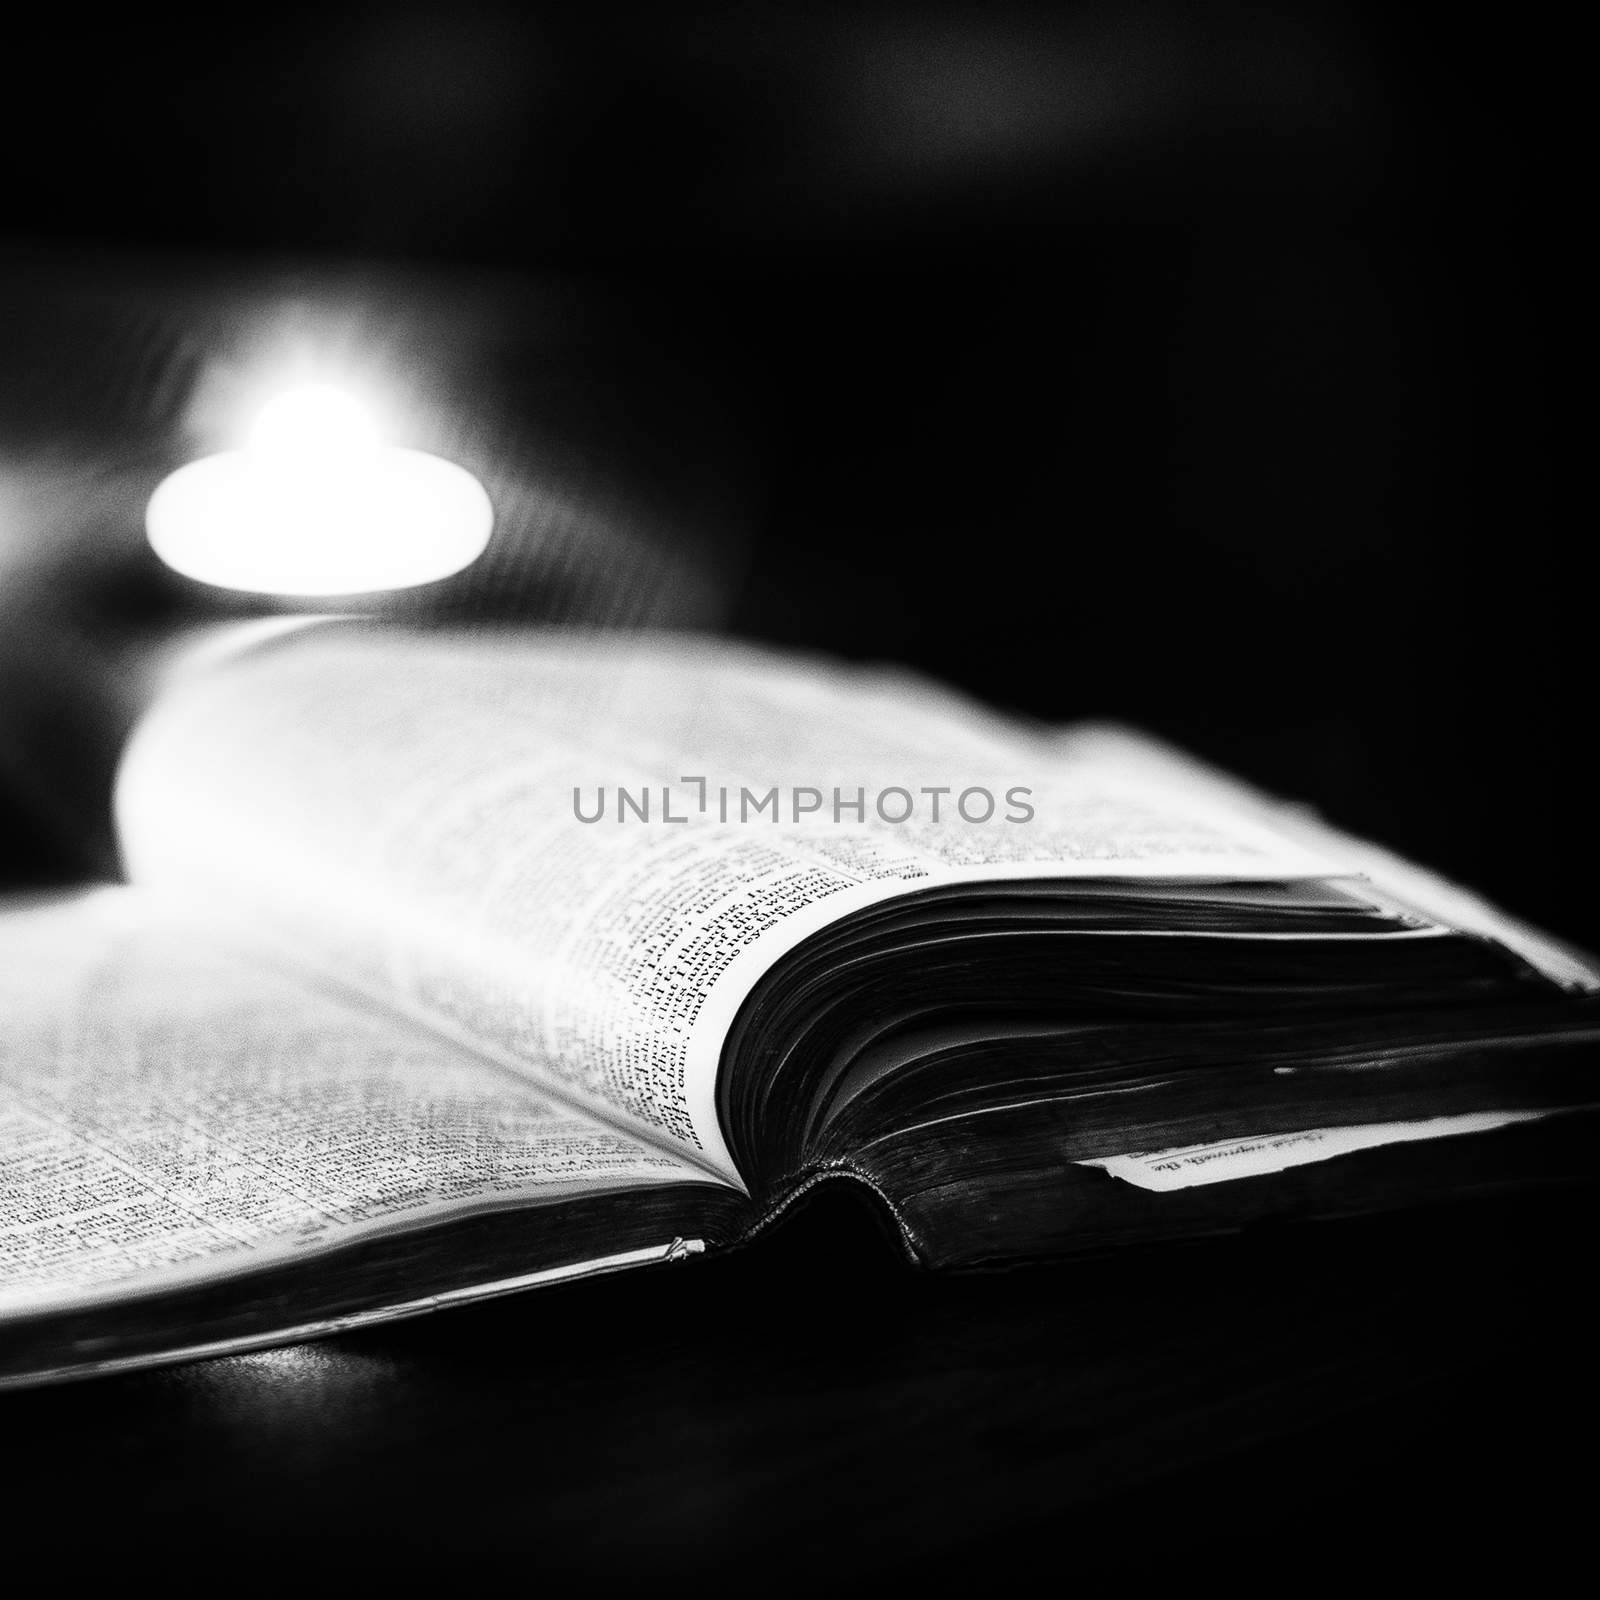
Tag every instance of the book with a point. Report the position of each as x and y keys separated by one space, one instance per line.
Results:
x=448 y=964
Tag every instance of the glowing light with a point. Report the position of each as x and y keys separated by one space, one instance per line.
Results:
x=317 y=504
x=313 y=419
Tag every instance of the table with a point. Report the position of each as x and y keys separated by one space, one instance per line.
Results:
x=811 y=1413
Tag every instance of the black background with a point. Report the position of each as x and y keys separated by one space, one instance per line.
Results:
x=1192 y=365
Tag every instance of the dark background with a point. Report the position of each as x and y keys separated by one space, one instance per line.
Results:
x=1195 y=365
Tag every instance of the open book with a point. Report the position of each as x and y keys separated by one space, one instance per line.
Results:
x=450 y=964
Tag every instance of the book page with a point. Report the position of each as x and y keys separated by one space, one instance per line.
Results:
x=1226 y=1160
x=171 y=1108
x=1395 y=882
x=582 y=852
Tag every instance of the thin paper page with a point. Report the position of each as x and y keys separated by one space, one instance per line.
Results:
x=170 y=1109
x=582 y=853
x=1189 y=1166
x=1410 y=888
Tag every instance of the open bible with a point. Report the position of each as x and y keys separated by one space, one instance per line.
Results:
x=448 y=964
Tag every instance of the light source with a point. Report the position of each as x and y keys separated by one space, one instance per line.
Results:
x=315 y=503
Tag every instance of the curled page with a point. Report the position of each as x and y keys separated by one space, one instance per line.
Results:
x=1403 y=884
x=582 y=853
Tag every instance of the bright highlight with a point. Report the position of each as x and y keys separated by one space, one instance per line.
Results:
x=313 y=419
x=316 y=504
